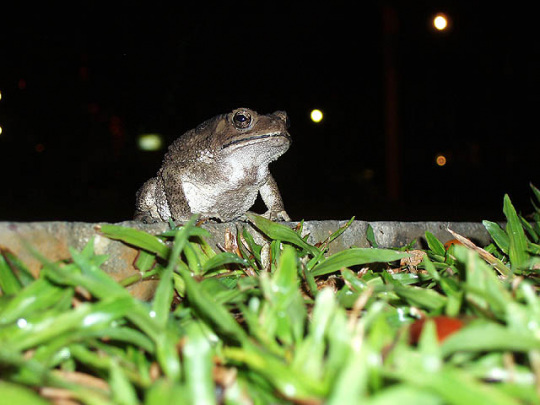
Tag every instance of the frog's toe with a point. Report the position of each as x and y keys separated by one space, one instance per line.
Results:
x=277 y=215
x=283 y=216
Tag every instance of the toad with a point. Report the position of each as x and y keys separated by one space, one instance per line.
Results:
x=217 y=170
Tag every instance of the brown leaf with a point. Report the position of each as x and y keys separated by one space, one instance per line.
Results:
x=452 y=242
x=231 y=244
x=444 y=325
x=413 y=260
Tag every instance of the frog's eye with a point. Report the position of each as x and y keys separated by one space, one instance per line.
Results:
x=241 y=119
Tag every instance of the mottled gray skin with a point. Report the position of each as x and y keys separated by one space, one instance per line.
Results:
x=217 y=169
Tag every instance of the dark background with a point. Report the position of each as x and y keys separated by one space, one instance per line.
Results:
x=79 y=84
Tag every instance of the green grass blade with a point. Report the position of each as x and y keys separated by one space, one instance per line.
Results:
x=17 y=266
x=209 y=309
x=498 y=235
x=145 y=261
x=354 y=257
x=162 y=300
x=517 y=249
x=87 y=274
x=405 y=394
x=458 y=388
x=193 y=258
x=284 y=311
x=17 y=394
x=314 y=260
x=529 y=229
x=136 y=238
x=221 y=259
x=421 y=297
x=38 y=296
x=86 y=317
x=482 y=287
x=310 y=352
x=310 y=282
x=435 y=244
x=482 y=336
x=197 y=355
x=126 y=335
x=100 y=356
x=277 y=372
x=181 y=243
x=101 y=285
x=164 y=392
x=430 y=268
x=281 y=232
x=338 y=333
x=449 y=286
x=167 y=352
x=370 y=236
x=536 y=193
x=9 y=283
x=122 y=391
x=91 y=277
x=429 y=349
x=356 y=283
x=350 y=386
x=340 y=231
x=254 y=248
x=204 y=246
x=161 y=305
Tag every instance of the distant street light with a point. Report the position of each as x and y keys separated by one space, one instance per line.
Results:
x=440 y=21
x=316 y=116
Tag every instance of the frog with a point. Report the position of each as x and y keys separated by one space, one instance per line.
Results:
x=218 y=169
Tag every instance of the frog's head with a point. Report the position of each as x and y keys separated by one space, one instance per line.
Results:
x=244 y=130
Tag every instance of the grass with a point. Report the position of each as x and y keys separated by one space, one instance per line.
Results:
x=279 y=323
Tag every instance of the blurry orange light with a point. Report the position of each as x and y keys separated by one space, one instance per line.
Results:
x=440 y=160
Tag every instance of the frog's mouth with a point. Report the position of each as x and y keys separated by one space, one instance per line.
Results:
x=256 y=138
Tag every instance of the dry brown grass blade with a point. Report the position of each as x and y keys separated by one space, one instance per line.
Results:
x=59 y=396
x=63 y=396
x=83 y=379
x=488 y=257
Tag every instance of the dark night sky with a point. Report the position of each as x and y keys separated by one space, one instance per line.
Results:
x=80 y=84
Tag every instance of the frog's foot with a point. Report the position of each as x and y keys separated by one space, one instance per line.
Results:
x=244 y=218
x=203 y=219
x=145 y=218
x=277 y=215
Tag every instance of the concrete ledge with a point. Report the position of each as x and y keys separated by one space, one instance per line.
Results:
x=52 y=240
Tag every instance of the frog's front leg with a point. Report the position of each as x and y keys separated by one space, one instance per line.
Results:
x=272 y=199
x=174 y=195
